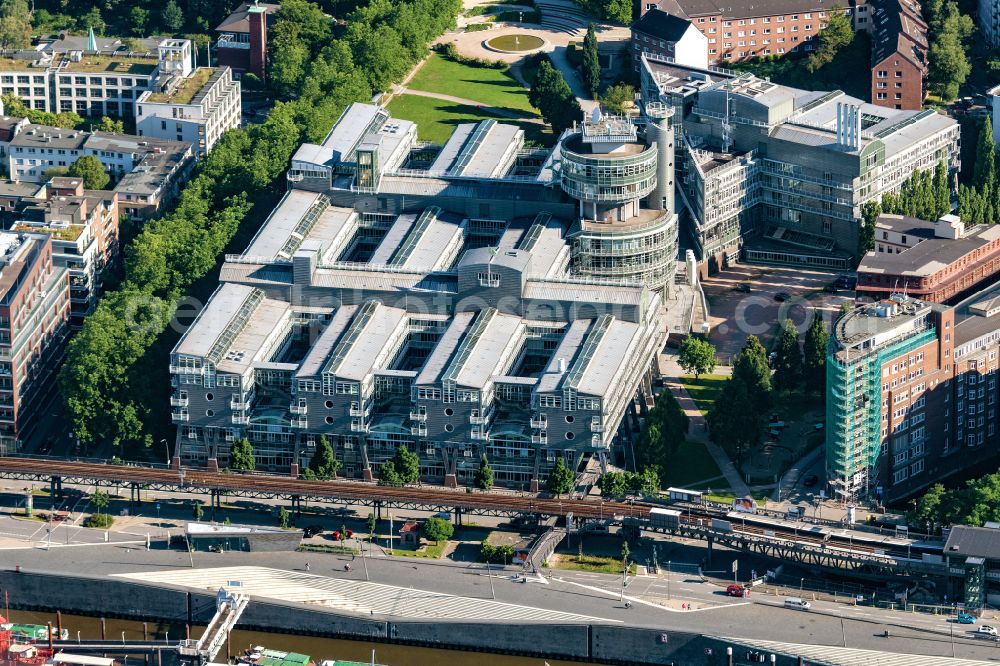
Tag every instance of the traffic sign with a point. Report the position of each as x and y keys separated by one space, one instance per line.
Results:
x=736 y=565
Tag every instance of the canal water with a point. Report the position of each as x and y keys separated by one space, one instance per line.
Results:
x=317 y=648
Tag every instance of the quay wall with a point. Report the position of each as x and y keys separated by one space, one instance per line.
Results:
x=129 y=599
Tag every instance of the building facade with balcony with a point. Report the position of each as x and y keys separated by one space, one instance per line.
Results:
x=83 y=226
x=197 y=109
x=428 y=297
x=912 y=394
x=34 y=317
x=779 y=173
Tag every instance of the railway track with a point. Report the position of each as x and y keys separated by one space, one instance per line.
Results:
x=335 y=490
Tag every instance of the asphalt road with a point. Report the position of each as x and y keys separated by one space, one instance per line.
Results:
x=593 y=595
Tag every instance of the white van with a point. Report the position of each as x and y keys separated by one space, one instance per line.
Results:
x=797 y=604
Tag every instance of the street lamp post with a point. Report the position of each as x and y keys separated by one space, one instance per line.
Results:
x=801 y=582
x=166 y=447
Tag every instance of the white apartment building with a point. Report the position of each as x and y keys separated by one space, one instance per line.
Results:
x=197 y=109
x=91 y=77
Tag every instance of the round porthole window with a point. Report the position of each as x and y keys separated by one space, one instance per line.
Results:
x=329 y=420
x=448 y=427
x=210 y=397
x=449 y=411
x=569 y=418
x=209 y=412
x=329 y=404
x=570 y=435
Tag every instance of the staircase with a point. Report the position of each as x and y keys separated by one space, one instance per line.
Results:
x=565 y=17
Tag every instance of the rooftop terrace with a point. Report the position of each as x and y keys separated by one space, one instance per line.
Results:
x=112 y=64
x=186 y=90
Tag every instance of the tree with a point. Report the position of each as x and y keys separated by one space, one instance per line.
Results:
x=172 y=18
x=371 y=526
x=138 y=19
x=15 y=24
x=625 y=551
x=870 y=210
x=241 y=458
x=787 y=359
x=323 y=463
x=407 y=465
x=91 y=170
x=837 y=34
x=111 y=126
x=619 y=10
x=733 y=421
x=948 y=64
x=618 y=98
x=554 y=98
x=942 y=188
x=697 y=356
x=814 y=355
x=590 y=70
x=388 y=476
x=284 y=518
x=752 y=368
x=437 y=529
x=985 y=173
x=612 y=485
x=483 y=478
x=100 y=501
x=561 y=478
x=198 y=512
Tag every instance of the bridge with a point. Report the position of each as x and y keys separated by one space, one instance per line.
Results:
x=844 y=550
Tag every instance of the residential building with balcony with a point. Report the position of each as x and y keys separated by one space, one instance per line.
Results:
x=434 y=297
x=738 y=31
x=34 y=316
x=912 y=394
x=899 y=54
x=989 y=21
x=777 y=174
x=197 y=109
x=936 y=261
x=83 y=226
x=242 y=39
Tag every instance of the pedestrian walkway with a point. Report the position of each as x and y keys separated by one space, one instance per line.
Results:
x=356 y=596
x=794 y=473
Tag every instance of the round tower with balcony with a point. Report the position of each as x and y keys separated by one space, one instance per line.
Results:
x=624 y=185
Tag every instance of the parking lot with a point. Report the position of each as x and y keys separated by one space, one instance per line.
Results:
x=735 y=315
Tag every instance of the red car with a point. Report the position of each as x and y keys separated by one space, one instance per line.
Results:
x=736 y=591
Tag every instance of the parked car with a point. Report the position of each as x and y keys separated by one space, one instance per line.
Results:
x=736 y=591
x=797 y=603
x=742 y=287
x=810 y=481
x=987 y=630
x=310 y=531
x=782 y=296
x=966 y=618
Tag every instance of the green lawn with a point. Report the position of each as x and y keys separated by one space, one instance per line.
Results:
x=692 y=463
x=436 y=119
x=430 y=549
x=592 y=563
x=704 y=390
x=727 y=498
x=492 y=87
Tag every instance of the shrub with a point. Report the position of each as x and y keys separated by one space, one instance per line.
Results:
x=99 y=520
x=477 y=27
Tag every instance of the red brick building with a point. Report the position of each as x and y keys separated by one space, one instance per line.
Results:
x=931 y=261
x=34 y=315
x=899 y=54
x=745 y=29
x=242 y=42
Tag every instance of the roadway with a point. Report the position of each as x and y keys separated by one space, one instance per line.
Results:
x=410 y=589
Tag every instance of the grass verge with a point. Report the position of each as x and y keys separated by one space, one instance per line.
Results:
x=437 y=118
x=323 y=548
x=591 y=563
x=704 y=390
x=432 y=551
x=691 y=463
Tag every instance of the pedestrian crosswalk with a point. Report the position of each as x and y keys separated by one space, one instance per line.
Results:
x=355 y=596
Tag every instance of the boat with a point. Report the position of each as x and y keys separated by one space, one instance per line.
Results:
x=261 y=656
x=32 y=633
x=19 y=653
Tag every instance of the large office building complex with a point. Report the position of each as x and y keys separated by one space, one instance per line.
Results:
x=782 y=170
x=197 y=109
x=458 y=300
